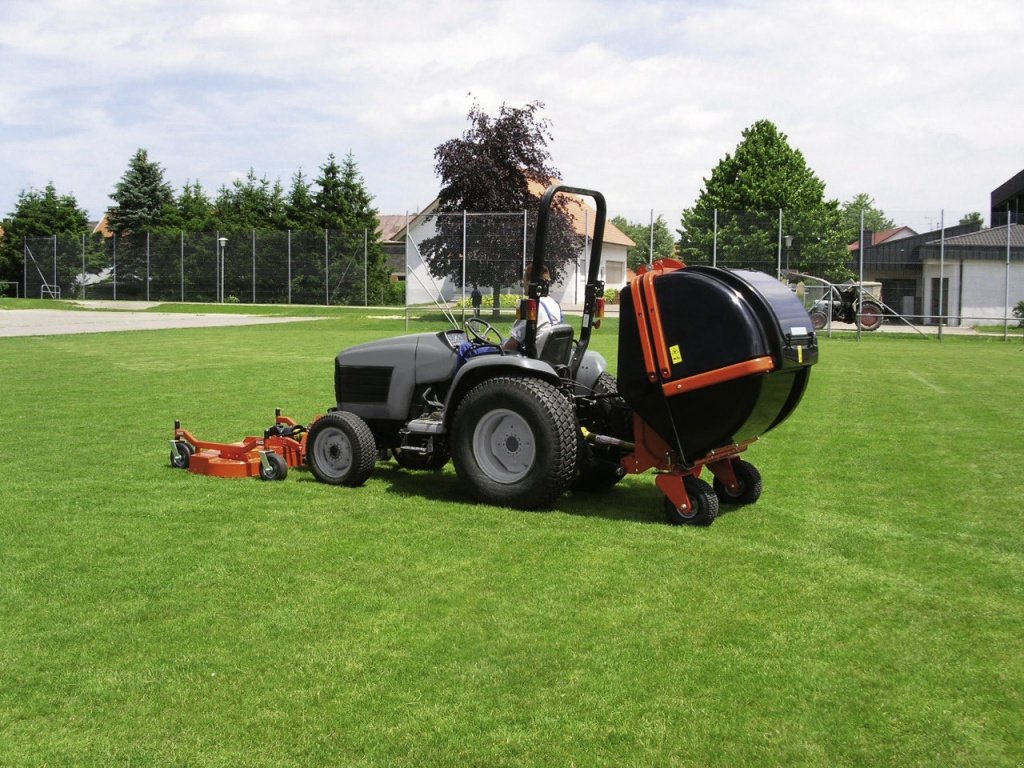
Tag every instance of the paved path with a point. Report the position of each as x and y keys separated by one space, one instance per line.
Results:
x=51 y=322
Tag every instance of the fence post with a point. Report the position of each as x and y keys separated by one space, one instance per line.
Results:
x=114 y=253
x=650 y=250
x=408 y=237
x=289 y=266
x=24 y=261
x=254 y=266
x=860 y=272
x=366 y=275
x=82 y=279
x=54 y=265
x=147 y=266
x=524 y=241
x=181 y=262
x=778 y=265
x=1006 y=299
x=465 y=258
x=714 y=243
x=942 y=266
x=327 y=273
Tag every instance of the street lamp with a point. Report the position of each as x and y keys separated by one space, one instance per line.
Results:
x=222 y=242
x=789 y=242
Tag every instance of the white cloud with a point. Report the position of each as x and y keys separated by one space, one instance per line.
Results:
x=914 y=103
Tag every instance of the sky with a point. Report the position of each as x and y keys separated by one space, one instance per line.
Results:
x=917 y=104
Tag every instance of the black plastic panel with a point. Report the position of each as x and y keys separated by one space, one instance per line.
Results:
x=362 y=383
x=711 y=319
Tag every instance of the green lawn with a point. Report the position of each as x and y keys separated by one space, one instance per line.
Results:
x=867 y=611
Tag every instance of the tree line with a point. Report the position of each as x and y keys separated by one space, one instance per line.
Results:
x=495 y=166
x=144 y=202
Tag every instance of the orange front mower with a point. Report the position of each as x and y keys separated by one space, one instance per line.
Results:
x=282 y=446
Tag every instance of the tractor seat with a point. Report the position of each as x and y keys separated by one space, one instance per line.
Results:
x=554 y=345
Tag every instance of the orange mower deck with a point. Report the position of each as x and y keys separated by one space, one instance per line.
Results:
x=268 y=457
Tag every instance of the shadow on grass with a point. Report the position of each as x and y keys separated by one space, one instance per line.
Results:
x=628 y=503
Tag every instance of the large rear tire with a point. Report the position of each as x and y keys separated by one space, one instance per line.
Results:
x=340 y=449
x=870 y=315
x=514 y=442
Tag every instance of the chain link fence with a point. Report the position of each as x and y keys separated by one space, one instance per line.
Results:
x=928 y=274
x=326 y=267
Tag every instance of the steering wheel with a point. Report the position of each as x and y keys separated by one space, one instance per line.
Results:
x=479 y=329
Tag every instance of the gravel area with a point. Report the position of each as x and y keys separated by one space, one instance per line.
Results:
x=52 y=322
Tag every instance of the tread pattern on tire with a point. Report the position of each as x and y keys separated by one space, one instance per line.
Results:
x=559 y=414
x=364 y=447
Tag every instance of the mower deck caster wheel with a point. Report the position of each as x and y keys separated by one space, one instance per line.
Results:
x=703 y=505
x=749 y=480
x=180 y=454
x=278 y=469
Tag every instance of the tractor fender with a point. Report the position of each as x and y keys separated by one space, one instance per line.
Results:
x=478 y=369
x=591 y=367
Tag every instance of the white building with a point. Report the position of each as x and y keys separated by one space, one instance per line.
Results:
x=502 y=237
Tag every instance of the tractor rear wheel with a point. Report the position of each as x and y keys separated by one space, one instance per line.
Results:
x=514 y=442
x=340 y=449
x=703 y=504
x=869 y=316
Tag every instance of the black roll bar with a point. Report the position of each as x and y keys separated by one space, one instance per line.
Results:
x=594 y=288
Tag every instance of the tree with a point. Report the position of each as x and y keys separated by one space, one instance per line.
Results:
x=488 y=170
x=194 y=209
x=299 y=207
x=875 y=219
x=250 y=203
x=974 y=217
x=664 y=244
x=46 y=214
x=143 y=199
x=345 y=209
x=747 y=189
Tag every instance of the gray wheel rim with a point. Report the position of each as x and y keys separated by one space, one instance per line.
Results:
x=504 y=446
x=332 y=452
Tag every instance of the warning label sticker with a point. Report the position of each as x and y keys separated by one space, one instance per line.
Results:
x=677 y=356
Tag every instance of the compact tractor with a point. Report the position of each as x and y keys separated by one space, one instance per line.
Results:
x=708 y=360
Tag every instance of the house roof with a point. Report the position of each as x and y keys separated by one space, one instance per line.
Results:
x=995 y=237
x=392 y=226
x=877 y=238
x=583 y=215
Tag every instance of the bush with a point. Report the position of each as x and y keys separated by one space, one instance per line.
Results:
x=1018 y=312
x=508 y=301
x=611 y=295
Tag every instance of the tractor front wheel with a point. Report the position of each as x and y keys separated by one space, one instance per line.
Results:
x=514 y=442
x=340 y=449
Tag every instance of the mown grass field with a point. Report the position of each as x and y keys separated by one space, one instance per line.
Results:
x=869 y=610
